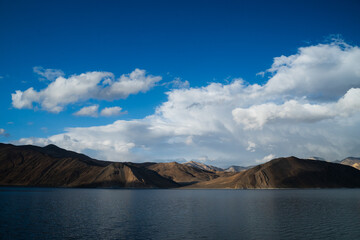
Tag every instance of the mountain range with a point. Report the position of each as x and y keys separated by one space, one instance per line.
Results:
x=206 y=167
x=52 y=166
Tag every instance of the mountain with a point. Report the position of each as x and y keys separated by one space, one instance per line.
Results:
x=55 y=167
x=235 y=169
x=289 y=172
x=52 y=166
x=232 y=169
x=203 y=166
x=351 y=161
x=182 y=173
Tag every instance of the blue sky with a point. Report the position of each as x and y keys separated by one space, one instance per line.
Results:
x=201 y=42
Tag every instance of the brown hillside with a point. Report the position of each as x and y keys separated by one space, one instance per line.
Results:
x=34 y=166
x=290 y=173
x=182 y=173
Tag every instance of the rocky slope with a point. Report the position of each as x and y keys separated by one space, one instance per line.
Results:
x=290 y=173
x=55 y=167
x=182 y=173
x=236 y=169
x=203 y=166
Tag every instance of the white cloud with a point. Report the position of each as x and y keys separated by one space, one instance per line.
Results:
x=101 y=139
x=90 y=111
x=178 y=83
x=48 y=74
x=258 y=115
x=322 y=72
x=251 y=147
x=203 y=159
x=135 y=82
x=189 y=140
x=312 y=114
x=111 y=111
x=79 y=88
x=266 y=158
x=24 y=99
x=35 y=141
x=93 y=111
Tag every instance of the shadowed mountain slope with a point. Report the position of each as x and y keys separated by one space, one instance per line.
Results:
x=182 y=173
x=55 y=167
x=51 y=166
x=290 y=172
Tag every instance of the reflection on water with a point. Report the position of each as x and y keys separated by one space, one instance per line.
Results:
x=37 y=213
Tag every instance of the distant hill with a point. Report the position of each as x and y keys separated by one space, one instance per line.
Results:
x=55 y=167
x=351 y=161
x=183 y=173
x=235 y=169
x=232 y=169
x=290 y=172
x=203 y=166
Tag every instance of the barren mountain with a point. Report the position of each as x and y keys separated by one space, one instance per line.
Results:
x=290 y=172
x=51 y=166
x=55 y=167
x=236 y=169
x=182 y=173
x=203 y=166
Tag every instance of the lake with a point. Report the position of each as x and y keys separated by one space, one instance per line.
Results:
x=58 y=213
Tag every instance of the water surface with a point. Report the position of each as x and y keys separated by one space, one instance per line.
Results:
x=54 y=213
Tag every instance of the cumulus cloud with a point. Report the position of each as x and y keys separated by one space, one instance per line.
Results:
x=258 y=115
x=135 y=82
x=48 y=74
x=101 y=141
x=79 y=88
x=111 y=111
x=90 y=111
x=93 y=111
x=308 y=107
x=322 y=72
x=24 y=99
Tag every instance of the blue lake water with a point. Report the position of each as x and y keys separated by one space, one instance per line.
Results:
x=52 y=213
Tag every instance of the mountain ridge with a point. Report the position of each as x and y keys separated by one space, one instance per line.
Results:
x=51 y=166
x=290 y=172
x=203 y=166
x=31 y=166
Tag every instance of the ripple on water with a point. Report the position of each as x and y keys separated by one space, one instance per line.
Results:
x=179 y=214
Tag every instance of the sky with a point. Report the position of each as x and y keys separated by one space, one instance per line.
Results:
x=219 y=82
